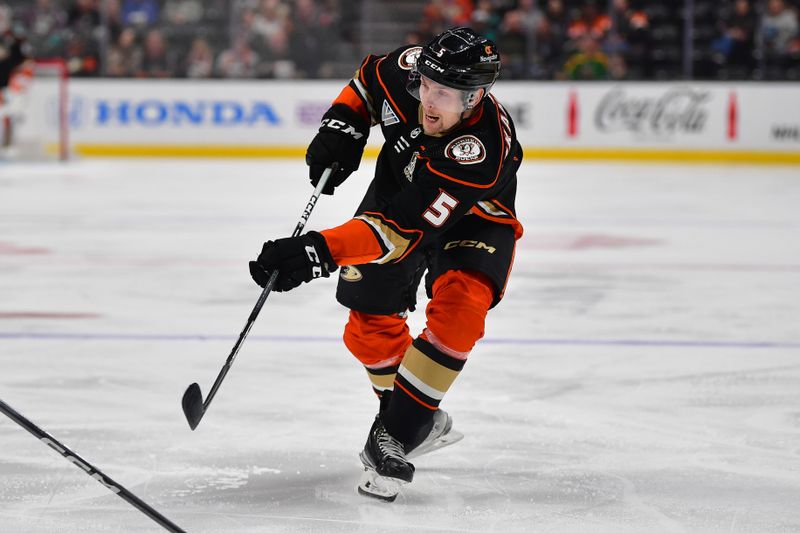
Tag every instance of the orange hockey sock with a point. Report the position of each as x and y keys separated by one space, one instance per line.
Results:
x=379 y=342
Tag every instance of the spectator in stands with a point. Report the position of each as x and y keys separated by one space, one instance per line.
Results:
x=183 y=12
x=530 y=15
x=484 y=20
x=157 y=60
x=630 y=37
x=591 y=21
x=276 y=60
x=83 y=17
x=245 y=23
x=512 y=39
x=45 y=22
x=776 y=34
x=310 y=39
x=125 y=56
x=271 y=18
x=140 y=13
x=112 y=11
x=736 y=43
x=438 y=15
x=551 y=39
x=82 y=56
x=588 y=62
x=557 y=15
x=217 y=12
x=617 y=67
x=200 y=60
x=238 y=61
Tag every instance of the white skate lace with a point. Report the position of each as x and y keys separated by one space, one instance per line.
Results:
x=390 y=446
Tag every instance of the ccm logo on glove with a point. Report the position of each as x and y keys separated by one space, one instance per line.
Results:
x=297 y=260
x=344 y=127
x=341 y=139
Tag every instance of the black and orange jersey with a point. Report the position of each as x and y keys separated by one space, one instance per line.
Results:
x=423 y=184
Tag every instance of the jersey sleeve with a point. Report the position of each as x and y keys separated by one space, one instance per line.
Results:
x=371 y=84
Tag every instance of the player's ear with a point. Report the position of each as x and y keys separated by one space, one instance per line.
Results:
x=475 y=98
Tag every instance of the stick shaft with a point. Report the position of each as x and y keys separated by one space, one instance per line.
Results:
x=301 y=223
x=87 y=467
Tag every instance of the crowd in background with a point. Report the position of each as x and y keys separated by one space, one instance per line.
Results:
x=630 y=39
x=180 y=38
x=288 y=39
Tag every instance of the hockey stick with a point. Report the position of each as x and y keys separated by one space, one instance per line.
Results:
x=93 y=471
x=193 y=405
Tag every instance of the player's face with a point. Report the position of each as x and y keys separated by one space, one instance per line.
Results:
x=441 y=106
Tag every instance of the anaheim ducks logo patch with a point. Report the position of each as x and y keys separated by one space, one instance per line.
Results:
x=350 y=273
x=408 y=59
x=466 y=149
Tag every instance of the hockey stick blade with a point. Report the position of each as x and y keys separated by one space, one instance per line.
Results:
x=193 y=405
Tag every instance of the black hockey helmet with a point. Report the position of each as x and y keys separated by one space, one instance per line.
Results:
x=458 y=58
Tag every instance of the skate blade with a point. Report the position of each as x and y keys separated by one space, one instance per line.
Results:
x=444 y=441
x=376 y=486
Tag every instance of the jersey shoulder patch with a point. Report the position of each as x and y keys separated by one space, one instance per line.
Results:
x=466 y=150
x=408 y=58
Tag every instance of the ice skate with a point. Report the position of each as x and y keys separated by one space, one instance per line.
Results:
x=386 y=468
x=441 y=435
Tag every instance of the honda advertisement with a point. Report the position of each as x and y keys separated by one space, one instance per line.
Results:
x=564 y=117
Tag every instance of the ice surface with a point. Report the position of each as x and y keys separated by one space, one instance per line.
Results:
x=642 y=373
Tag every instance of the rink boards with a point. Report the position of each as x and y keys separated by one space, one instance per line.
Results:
x=720 y=122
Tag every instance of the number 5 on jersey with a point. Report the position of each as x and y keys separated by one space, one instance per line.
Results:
x=439 y=211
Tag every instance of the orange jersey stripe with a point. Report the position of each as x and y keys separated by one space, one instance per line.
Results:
x=351 y=99
x=513 y=222
x=361 y=69
x=510 y=266
x=451 y=178
x=352 y=243
x=385 y=90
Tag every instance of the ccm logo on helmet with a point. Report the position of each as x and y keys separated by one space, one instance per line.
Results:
x=466 y=149
x=433 y=65
x=344 y=127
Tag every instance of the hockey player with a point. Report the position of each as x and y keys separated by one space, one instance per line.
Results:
x=13 y=53
x=442 y=200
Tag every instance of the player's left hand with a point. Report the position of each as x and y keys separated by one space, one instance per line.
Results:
x=297 y=259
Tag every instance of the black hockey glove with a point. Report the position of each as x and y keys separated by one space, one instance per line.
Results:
x=341 y=139
x=298 y=260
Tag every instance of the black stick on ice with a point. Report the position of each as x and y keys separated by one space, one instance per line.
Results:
x=193 y=405
x=93 y=471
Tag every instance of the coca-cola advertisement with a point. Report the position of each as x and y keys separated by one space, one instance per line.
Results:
x=680 y=110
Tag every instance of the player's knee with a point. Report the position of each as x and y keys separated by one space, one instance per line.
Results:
x=376 y=340
x=457 y=311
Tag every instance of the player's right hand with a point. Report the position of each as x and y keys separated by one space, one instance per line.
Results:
x=341 y=139
x=297 y=260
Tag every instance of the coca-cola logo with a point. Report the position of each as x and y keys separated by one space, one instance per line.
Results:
x=679 y=110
